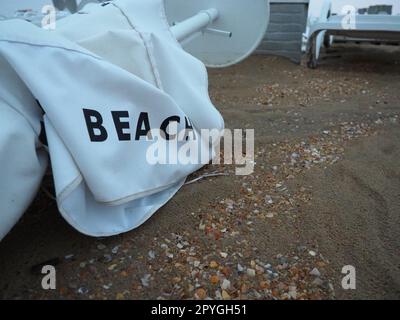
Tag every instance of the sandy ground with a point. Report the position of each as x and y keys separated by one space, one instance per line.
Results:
x=325 y=193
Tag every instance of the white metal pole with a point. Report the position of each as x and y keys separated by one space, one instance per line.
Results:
x=198 y=22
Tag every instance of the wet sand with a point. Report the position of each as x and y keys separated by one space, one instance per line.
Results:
x=325 y=193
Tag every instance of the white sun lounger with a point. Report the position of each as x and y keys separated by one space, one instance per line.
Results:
x=382 y=27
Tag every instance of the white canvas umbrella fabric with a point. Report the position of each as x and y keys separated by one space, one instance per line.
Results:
x=102 y=79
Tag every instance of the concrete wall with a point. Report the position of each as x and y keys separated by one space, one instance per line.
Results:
x=287 y=23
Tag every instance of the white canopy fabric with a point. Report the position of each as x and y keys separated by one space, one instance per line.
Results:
x=103 y=79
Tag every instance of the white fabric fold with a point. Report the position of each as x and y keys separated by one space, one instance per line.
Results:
x=96 y=78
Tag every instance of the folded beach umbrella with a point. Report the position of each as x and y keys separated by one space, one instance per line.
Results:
x=23 y=159
x=104 y=83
